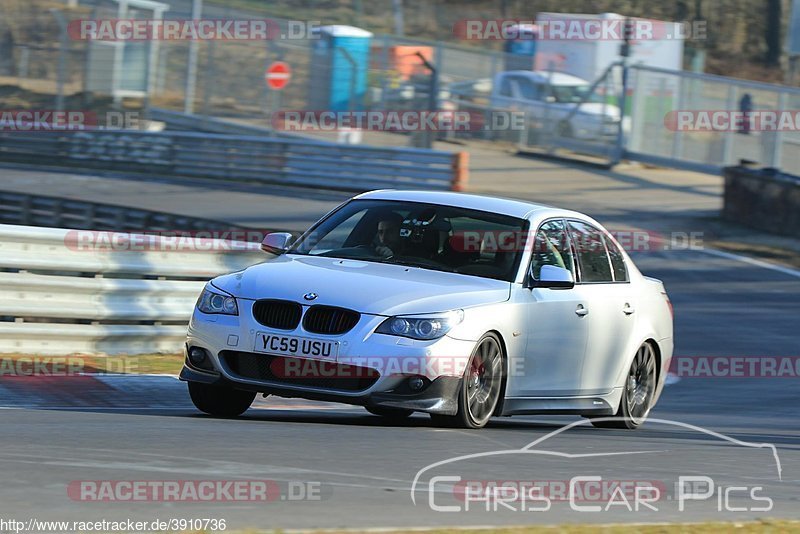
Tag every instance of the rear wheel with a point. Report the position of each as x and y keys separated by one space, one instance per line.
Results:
x=638 y=394
x=392 y=414
x=481 y=386
x=221 y=401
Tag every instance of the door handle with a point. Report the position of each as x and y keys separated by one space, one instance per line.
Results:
x=581 y=311
x=628 y=309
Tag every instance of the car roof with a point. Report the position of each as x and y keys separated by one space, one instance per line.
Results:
x=555 y=78
x=513 y=208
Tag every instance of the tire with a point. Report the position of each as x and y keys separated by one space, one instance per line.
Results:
x=220 y=401
x=392 y=414
x=638 y=393
x=481 y=386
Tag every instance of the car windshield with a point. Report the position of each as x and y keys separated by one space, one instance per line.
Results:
x=441 y=238
x=573 y=94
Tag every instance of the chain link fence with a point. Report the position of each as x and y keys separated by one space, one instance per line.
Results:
x=44 y=65
x=659 y=134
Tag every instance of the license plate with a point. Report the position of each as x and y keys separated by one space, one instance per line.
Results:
x=300 y=347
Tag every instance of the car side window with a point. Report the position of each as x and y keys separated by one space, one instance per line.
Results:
x=527 y=90
x=617 y=261
x=591 y=251
x=551 y=247
x=505 y=87
x=541 y=91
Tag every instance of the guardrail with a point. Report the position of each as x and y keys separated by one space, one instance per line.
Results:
x=60 y=295
x=239 y=158
x=176 y=120
x=40 y=210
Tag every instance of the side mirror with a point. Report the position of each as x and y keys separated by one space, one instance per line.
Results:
x=276 y=242
x=552 y=277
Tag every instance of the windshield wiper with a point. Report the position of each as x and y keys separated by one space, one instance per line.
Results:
x=386 y=261
x=422 y=265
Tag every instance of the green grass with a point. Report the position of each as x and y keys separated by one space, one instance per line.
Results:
x=137 y=364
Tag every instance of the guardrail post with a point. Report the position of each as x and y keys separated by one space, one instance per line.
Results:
x=460 y=171
x=62 y=58
x=26 y=211
x=727 y=142
x=776 y=153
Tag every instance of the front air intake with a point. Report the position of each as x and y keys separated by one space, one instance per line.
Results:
x=330 y=320
x=279 y=314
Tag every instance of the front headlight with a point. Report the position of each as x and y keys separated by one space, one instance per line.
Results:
x=212 y=302
x=424 y=327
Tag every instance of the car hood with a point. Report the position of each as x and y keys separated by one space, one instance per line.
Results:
x=367 y=287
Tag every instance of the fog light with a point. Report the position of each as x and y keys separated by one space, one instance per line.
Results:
x=415 y=383
x=197 y=356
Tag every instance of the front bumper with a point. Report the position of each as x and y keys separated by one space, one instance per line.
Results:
x=440 y=396
x=439 y=363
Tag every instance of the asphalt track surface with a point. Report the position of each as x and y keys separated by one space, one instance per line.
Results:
x=360 y=469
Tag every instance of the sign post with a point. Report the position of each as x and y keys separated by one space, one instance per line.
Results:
x=277 y=77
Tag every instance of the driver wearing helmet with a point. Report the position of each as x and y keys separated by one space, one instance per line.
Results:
x=387 y=238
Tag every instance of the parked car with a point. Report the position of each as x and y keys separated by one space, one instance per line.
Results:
x=461 y=306
x=563 y=104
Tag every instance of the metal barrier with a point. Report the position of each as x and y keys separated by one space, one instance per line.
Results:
x=40 y=210
x=65 y=291
x=237 y=158
x=176 y=120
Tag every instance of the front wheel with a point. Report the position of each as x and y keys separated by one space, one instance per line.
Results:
x=221 y=401
x=481 y=386
x=638 y=393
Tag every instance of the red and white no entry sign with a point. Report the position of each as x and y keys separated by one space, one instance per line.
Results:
x=278 y=75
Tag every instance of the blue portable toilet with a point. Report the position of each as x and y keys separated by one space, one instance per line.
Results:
x=335 y=83
x=520 y=47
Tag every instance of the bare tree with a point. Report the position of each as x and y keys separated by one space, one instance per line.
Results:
x=773 y=33
x=397 y=10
